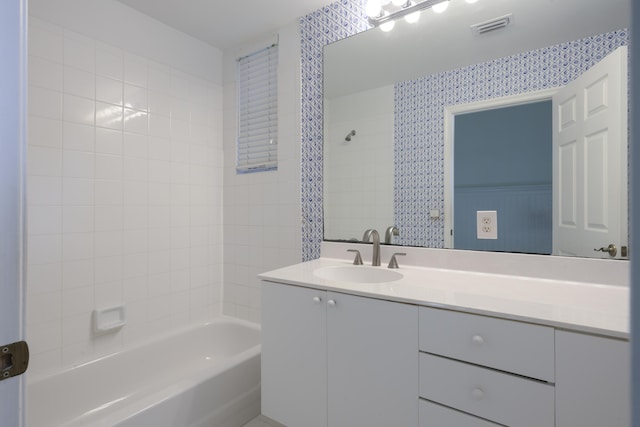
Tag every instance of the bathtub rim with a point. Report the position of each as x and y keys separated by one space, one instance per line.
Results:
x=235 y=358
x=142 y=343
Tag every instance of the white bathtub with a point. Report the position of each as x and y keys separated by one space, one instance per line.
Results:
x=208 y=375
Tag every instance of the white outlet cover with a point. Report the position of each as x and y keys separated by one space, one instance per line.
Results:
x=487 y=224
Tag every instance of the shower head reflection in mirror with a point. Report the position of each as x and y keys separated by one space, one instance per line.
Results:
x=349 y=135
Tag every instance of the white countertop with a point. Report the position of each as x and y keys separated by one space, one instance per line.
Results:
x=585 y=307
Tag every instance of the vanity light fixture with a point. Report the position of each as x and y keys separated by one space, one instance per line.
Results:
x=387 y=26
x=383 y=13
x=440 y=7
x=412 y=17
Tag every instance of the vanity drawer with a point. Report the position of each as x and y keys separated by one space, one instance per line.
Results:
x=497 y=396
x=511 y=346
x=434 y=415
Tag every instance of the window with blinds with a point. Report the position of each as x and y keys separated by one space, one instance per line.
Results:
x=258 y=111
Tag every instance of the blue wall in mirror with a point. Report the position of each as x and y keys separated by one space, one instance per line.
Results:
x=502 y=162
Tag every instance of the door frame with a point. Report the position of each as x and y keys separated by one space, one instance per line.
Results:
x=13 y=109
x=450 y=112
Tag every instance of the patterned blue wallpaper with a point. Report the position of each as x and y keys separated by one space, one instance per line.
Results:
x=419 y=127
x=337 y=21
x=419 y=120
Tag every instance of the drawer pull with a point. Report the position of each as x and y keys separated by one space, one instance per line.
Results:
x=477 y=340
x=317 y=300
x=477 y=393
x=331 y=302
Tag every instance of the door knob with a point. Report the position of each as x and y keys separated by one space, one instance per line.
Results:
x=611 y=250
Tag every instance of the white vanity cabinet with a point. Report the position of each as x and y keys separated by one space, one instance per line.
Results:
x=442 y=349
x=332 y=359
x=593 y=381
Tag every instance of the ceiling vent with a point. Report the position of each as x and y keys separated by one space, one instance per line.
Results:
x=492 y=24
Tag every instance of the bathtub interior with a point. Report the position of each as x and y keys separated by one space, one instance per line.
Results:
x=220 y=359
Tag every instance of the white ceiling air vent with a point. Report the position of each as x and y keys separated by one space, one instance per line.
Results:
x=492 y=24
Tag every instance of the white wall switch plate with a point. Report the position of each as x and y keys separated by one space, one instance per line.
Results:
x=487 y=222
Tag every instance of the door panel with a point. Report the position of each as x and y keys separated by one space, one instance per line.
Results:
x=567 y=184
x=597 y=181
x=590 y=160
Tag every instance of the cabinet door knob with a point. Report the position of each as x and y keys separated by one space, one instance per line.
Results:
x=477 y=340
x=317 y=300
x=331 y=302
x=477 y=393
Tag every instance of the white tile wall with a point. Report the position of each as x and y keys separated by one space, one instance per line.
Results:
x=358 y=194
x=124 y=196
x=262 y=225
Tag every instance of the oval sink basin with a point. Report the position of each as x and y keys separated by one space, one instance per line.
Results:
x=358 y=274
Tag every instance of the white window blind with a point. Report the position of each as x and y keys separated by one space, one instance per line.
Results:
x=258 y=111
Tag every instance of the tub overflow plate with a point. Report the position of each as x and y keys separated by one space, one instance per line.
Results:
x=14 y=359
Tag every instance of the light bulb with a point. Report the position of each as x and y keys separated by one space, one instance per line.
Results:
x=412 y=17
x=373 y=8
x=471 y=1
x=399 y=2
x=440 y=7
x=388 y=26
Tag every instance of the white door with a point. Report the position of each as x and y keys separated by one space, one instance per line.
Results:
x=590 y=161
x=12 y=117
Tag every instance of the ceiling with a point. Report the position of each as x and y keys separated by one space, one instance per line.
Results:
x=229 y=23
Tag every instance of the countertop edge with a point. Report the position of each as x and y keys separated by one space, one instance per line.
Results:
x=283 y=275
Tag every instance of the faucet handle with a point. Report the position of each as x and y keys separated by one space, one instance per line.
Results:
x=358 y=260
x=393 y=262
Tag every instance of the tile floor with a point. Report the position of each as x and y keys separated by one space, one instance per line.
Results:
x=259 y=421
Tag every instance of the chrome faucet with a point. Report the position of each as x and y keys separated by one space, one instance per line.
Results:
x=392 y=230
x=371 y=233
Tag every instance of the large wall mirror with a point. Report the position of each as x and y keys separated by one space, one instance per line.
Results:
x=439 y=136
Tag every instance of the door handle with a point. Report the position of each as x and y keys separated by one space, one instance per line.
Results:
x=611 y=250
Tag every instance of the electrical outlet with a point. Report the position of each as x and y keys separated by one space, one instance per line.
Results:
x=487 y=224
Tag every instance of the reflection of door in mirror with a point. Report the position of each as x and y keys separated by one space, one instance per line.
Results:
x=590 y=161
x=588 y=178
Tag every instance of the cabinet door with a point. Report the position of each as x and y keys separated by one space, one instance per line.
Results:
x=373 y=362
x=294 y=355
x=592 y=381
